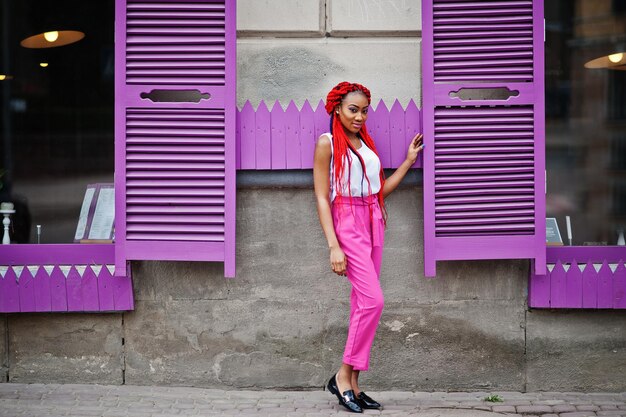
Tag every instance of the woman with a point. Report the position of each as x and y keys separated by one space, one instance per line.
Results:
x=350 y=188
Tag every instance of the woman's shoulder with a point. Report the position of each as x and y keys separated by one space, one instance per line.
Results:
x=325 y=139
x=327 y=135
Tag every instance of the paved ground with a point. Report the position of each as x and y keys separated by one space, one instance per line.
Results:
x=44 y=400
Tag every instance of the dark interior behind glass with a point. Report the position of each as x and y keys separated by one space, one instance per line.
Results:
x=57 y=121
x=586 y=119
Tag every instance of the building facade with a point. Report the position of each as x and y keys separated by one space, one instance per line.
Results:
x=281 y=322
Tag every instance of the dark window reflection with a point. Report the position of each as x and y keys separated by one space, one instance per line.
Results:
x=586 y=117
x=57 y=121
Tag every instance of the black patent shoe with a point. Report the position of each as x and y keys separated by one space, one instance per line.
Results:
x=346 y=399
x=366 y=402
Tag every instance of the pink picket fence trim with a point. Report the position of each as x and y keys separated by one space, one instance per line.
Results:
x=62 y=278
x=580 y=277
x=284 y=138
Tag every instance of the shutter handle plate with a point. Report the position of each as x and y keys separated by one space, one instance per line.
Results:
x=493 y=93
x=175 y=96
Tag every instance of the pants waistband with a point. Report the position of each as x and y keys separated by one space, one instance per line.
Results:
x=369 y=200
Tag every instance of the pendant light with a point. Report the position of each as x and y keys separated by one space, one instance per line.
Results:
x=52 y=39
x=614 y=61
x=53 y=24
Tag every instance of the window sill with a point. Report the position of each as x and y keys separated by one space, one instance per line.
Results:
x=62 y=278
x=580 y=277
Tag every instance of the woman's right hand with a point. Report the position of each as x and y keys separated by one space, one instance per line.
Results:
x=338 y=261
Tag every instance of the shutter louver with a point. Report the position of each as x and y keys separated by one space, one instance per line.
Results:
x=484 y=163
x=485 y=41
x=175 y=156
x=175 y=43
x=484 y=160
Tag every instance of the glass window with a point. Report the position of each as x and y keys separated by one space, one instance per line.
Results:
x=586 y=117
x=56 y=111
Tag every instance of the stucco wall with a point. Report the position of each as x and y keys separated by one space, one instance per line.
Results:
x=298 y=50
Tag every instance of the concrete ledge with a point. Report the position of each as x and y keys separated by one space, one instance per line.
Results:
x=468 y=345
x=294 y=18
x=66 y=348
x=226 y=343
x=284 y=70
x=576 y=350
x=365 y=17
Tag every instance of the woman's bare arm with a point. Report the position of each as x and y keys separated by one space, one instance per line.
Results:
x=321 y=182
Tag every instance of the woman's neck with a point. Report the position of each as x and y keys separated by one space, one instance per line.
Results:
x=354 y=137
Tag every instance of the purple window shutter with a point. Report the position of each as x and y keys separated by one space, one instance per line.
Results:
x=175 y=154
x=484 y=160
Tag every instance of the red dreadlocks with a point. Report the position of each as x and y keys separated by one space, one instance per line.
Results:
x=341 y=144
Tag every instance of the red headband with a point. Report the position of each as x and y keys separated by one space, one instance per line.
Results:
x=338 y=92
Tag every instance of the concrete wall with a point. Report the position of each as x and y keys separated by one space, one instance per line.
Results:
x=282 y=322
x=4 y=357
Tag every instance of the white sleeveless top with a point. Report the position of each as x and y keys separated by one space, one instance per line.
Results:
x=358 y=184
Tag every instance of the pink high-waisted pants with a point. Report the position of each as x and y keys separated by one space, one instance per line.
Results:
x=360 y=231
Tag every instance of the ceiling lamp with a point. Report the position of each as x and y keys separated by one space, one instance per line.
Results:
x=5 y=77
x=616 y=61
x=52 y=39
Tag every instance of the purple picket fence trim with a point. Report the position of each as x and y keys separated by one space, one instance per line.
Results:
x=11 y=292
x=263 y=137
x=248 y=130
x=292 y=136
x=27 y=291
x=605 y=286
x=397 y=135
x=58 y=292
x=539 y=290
x=278 y=140
x=122 y=294
x=619 y=286
x=238 y=139
x=106 y=300
x=74 y=291
x=378 y=127
x=307 y=135
x=289 y=143
x=322 y=120
x=89 y=290
x=558 y=279
x=574 y=287
x=412 y=126
x=590 y=286
x=43 y=300
x=603 y=280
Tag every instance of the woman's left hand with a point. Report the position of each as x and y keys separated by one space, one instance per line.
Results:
x=415 y=148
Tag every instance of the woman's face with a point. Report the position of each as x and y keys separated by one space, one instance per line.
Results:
x=353 y=111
